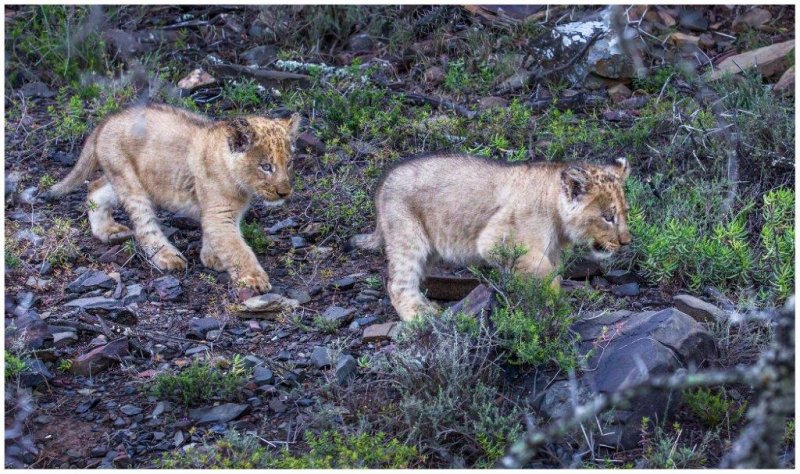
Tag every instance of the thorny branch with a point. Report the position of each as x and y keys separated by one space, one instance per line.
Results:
x=757 y=445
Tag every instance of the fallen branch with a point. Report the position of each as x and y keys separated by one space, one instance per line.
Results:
x=264 y=76
x=416 y=98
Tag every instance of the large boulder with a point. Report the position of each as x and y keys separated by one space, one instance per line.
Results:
x=624 y=349
x=605 y=59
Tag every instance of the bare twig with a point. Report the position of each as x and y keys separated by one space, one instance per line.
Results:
x=437 y=102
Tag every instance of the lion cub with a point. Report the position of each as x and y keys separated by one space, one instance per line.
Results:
x=157 y=155
x=458 y=207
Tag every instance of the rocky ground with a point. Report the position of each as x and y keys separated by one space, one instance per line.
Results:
x=97 y=326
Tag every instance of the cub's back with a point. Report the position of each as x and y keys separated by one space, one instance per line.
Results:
x=160 y=144
x=169 y=130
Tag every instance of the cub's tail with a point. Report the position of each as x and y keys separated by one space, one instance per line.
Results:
x=86 y=165
x=372 y=242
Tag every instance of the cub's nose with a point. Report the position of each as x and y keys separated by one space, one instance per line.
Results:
x=284 y=194
x=625 y=238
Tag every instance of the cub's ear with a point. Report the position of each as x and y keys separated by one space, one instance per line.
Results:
x=240 y=134
x=620 y=168
x=575 y=181
x=293 y=126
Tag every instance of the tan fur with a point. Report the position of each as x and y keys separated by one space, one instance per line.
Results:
x=158 y=155
x=459 y=207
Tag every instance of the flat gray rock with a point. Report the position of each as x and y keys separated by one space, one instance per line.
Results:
x=90 y=280
x=700 y=310
x=627 y=348
x=269 y=303
x=168 y=288
x=97 y=303
x=338 y=314
x=321 y=357
x=345 y=368
x=218 y=414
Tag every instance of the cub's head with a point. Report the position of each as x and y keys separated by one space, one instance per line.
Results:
x=261 y=155
x=593 y=206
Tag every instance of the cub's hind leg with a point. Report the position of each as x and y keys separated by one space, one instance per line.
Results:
x=408 y=253
x=149 y=236
x=102 y=200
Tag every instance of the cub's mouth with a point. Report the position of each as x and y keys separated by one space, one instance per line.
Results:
x=273 y=201
x=598 y=251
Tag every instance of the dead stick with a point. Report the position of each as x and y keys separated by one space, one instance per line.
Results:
x=437 y=102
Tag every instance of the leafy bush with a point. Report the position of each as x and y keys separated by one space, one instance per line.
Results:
x=59 y=247
x=777 y=241
x=13 y=365
x=255 y=236
x=61 y=41
x=342 y=202
x=563 y=132
x=328 y=450
x=353 y=109
x=244 y=94
x=714 y=408
x=443 y=382
x=71 y=121
x=682 y=238
x=533 y=321
x=663 y=450
x=233 y=451
x=200 y=383
x=331 y=450
x=12 y=259
x=46 y=181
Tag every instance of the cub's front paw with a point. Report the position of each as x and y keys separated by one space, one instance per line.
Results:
x=114 y=234
x=168 y=258
x=256 y=279
x=210 y=260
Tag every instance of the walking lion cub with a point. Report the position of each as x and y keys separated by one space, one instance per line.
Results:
x=459 y=207
x=157 y=155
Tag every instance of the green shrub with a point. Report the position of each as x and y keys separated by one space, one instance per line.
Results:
x=70 y=118
x=456 y=79
x=255 y=236
x=713 y=407
x=353 y=109
x=201 y=383
x=233 y=451
x=328 y=450
x=325 y=326
x=663 y=450
x=46 y=181
x=777 y=241
x=654 y=82
x=444 y=380
x=682 y=238
x=12 y=259
x=59 y=247
x=331 y=450
x=244 y=94
x=60 y=41
x=788 y=436
x=533 y=320
x=564 y=132
x=342 y=202
x=13 y=365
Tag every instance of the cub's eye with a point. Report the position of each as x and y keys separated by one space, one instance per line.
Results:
x=266 y=167
x=608 y=217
